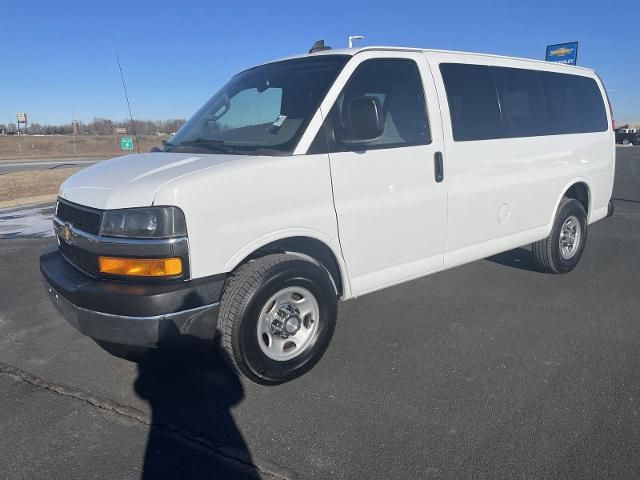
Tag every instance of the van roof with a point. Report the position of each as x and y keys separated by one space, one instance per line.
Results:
x=355 y=51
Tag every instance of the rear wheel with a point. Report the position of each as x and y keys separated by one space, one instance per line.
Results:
x=277 y=317
x=561 y=251
x=626 y=141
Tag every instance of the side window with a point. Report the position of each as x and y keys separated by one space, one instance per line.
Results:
x=563 y=103
x=473 y=101
x=500 y=102
x=594 y=114
x=524 y=111
x=397 y=86
x=575 y=103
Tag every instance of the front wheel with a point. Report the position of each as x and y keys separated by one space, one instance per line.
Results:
x=277 y=317
x=561 y=251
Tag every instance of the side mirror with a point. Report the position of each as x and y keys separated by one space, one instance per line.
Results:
x=363 y=121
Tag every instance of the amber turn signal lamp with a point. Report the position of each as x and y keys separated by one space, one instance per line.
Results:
x=141 y=267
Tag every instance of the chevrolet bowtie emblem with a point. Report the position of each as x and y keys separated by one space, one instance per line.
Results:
x=67 y=233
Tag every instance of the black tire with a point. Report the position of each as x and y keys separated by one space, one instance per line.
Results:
x=546 y=253
x=626 y=141
x=246 y=293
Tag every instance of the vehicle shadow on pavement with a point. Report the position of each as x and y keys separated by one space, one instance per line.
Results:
x=627 y=200
x=520 y=258
x=192 y=434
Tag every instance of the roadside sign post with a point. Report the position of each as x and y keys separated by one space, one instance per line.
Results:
x=75 y=128
x=21 y=117
x=566 y=53
x=126 y=143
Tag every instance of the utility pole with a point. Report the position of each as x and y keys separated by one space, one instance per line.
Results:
x=73 y=129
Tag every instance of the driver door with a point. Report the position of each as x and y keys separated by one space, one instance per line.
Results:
x=389 y=195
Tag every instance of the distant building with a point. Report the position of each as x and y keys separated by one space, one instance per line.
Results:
x=3 y=129
x=119 y=131
x=628 y=128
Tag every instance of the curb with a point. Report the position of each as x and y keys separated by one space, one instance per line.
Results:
x=20 y=202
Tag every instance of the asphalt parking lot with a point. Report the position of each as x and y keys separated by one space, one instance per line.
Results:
x=487 y=371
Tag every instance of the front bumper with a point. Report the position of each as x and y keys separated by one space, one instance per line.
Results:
x=145 y=315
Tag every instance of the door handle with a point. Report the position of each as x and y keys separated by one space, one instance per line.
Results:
x=438 y=167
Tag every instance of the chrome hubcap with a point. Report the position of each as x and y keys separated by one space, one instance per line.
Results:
x=570 y=234
x=288 y=323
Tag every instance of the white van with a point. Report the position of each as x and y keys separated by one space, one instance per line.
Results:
x=327 y=176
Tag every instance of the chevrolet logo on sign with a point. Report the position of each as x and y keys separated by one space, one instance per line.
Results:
x=560 y=52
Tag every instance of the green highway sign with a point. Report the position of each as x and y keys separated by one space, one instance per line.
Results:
x=126 y=143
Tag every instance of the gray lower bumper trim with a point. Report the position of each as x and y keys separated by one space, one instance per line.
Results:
x=139 y=331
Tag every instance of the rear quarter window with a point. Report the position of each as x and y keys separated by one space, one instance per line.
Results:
x=574 y=104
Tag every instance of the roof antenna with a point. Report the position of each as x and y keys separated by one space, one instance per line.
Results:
x=126 y=96
x=319 y=46
x=354 y=37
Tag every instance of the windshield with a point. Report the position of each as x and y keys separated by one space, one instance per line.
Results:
x=261 y=111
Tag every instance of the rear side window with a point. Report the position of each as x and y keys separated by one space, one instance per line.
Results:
x=499 y=102
x=524 y=112
x=473 y=103
x=574 y=104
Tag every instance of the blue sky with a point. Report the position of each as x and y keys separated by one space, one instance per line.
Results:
x=60 y=55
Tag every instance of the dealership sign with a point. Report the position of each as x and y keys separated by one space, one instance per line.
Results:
x=566 y=53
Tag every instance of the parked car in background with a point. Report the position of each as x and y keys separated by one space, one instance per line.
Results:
x=628 y=137
x=324 y=177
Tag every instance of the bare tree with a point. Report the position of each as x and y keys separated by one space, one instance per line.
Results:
x=105 y=126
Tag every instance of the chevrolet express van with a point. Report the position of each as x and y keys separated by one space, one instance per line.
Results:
x=323 y=177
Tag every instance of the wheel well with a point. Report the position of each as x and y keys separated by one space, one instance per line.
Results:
x=309 y=247
x=579 y=191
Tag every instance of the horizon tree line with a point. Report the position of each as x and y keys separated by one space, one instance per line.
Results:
x=103 y=126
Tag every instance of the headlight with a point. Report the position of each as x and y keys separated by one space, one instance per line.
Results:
x=152 y=222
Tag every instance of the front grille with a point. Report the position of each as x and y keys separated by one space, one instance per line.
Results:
x=85 y=261
x=82 y=218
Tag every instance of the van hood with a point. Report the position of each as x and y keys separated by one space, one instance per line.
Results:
x=133 y=180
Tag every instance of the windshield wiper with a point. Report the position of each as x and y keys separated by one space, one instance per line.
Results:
x=222 y=147
x=213 y=145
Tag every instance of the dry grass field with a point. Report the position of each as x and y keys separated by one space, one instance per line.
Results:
x=33 y=182
x=25 y=147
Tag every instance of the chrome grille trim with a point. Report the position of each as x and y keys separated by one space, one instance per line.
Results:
x=84 y=218
x=130 y=247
